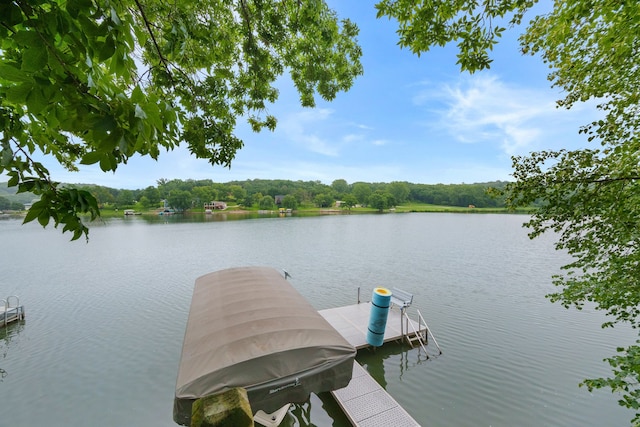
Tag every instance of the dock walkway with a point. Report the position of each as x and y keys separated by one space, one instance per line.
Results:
x=364 y=401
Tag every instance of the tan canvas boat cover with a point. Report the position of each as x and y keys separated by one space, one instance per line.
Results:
x=248 y=327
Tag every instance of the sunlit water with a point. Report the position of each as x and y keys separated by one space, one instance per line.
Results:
x=105 y=320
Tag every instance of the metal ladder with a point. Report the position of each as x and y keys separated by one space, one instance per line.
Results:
x=12 y=312
x=413 y=335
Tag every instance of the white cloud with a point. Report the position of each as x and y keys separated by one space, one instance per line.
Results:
x=486 y=109
x=303 y=129
x=352 y=137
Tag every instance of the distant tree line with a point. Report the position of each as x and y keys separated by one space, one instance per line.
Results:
x=9 y=205
x=269 y=194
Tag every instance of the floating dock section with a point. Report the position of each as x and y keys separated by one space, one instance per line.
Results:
x=352 y=320
x=364 y=401
x=367 y=404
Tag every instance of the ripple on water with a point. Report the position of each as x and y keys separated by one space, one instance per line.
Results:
x=105 y=320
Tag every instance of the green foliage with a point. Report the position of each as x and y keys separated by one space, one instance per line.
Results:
x=266 y=203
x=179 y=200
x=238 y=192
x=88 y=82
x=63 y=205
x=323 y=200
x=399 y=191
x=589 y=197
x=349 y=201
x=362 y=191
x=474 y=25
x=289 y=202
x=4 y=203
x=340 y=186
x=625 y=379
x=125 y=198
x=144 y=203
x=382 y=200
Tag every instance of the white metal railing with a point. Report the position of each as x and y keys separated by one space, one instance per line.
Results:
x=417 y=333
x=408 y=323
x=10 y=309
x=421 y=319
x=5 y=307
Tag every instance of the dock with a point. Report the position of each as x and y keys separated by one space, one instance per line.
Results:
x=10 y=312
x=364 y=401
x=352 y=321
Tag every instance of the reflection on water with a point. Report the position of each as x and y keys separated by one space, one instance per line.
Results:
x=319 y=410
x=401 y=354
x=9 y=336
x=218 y=216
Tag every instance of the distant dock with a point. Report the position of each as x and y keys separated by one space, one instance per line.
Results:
x=10 y=310
x=364 y=401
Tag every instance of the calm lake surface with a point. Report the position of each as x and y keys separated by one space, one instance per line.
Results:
x=105 y=320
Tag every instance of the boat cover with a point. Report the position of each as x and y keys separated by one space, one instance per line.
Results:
x=248 y=327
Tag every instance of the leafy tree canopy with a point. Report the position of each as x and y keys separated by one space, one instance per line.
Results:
x=590 y=197
x=96 y=82
x=475 y=26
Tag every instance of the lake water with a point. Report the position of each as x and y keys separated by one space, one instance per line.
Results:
x=105 y=320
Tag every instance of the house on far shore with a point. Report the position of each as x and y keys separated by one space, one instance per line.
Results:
x=215 y=205
x=278 y=199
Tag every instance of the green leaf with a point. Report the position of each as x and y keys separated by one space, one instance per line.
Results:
x=7 y=156
x=107 y=49
x=18 y=94
x=107 y=162
x=13 y=74
x=106 y=124
x=27 y=38
x=11 y=13
x=36 y=101
x=35 y=58
x=89 y=26
x=140 y=112
x=73 y=8
x=44 y=217
x=14 y=179
x=91 y=158
x=137 y=95
x=32 y=214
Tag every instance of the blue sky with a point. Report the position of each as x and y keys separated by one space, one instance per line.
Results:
x=408 y=118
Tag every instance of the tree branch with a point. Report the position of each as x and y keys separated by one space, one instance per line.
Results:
x=147 y=25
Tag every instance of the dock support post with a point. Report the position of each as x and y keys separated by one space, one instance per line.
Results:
x=227 y=409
